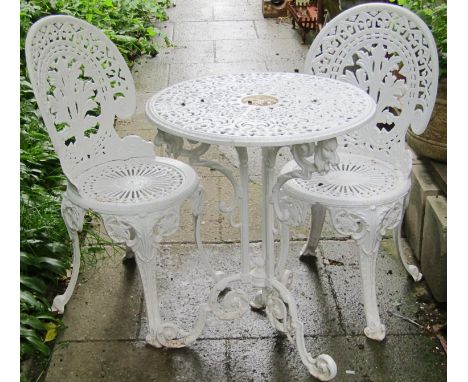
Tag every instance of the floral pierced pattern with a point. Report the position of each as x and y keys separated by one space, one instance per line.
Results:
x=390 y=53
x=222 y=109
x=355 y=178
x=131 y=181
x=81 y=83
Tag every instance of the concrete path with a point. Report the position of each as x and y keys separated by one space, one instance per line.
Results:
x=106 y=318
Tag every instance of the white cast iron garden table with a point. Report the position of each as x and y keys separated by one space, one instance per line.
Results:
x=267 y=110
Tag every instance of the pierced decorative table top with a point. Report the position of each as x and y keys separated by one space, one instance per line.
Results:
x=260 y=109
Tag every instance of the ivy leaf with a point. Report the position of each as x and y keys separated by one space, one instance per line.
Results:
x=51 y=332
x=123 y=38
x=150 y=31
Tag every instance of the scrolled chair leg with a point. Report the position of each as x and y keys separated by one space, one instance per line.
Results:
x=413 y=270
x=368 y=236
x=142 y=234
x=317 y=218
x=73 y=216
x=375 y=329
x=367 y=226
x=147 y=264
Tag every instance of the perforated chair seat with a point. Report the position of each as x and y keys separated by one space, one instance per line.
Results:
x=135 y=183
x=356 y=180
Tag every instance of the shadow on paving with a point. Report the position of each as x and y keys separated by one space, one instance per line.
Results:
x=106 y=328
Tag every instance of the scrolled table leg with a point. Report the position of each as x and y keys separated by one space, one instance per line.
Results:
x=282 y=312
x=279 y=303
x=174 y=147
x=227 y=303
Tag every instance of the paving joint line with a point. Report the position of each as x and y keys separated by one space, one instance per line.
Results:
x=256 y=241
x=278 y=335
x=227 y=346
x=140 y=315
x=334 y=294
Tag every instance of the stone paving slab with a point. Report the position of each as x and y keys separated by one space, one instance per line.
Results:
x=237 y=11
x=134 y=361
x=182 y=72
x=398 y=359
x=269 y=359
x=167 y=29
x=396 y=291
x=183 y=284
x=259 y=50
x=273 y=29
x=150 y=75
x=185 y=11
x=286 y=65
x=214 y=30
x=106 y=302
x=188 y=51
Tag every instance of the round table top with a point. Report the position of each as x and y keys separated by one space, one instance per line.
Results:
x=260 y=109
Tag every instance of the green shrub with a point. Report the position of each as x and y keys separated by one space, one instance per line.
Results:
x=128 y=23
x=434 y=14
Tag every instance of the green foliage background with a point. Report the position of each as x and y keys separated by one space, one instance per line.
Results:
x=434 y=14
x=45 y=247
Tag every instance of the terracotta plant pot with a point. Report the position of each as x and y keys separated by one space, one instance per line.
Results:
x=433 y=142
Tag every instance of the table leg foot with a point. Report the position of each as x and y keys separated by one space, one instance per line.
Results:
x=129 y=257
x=281 y=310
x=324 y=368
x=258 y=303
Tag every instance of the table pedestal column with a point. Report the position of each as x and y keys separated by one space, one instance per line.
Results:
x=275 y=297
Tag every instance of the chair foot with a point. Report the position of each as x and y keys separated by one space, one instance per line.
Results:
x=307 y=252
x=58 y=305
x=317 y=217
x=73 y=216
x=152 y=340
x=375 y=333
x=413 y=270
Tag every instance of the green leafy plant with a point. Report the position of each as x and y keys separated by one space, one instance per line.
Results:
x=434 y=14
x=45 y=247
x=128 y=23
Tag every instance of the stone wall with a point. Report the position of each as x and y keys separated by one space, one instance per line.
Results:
x=425 y=223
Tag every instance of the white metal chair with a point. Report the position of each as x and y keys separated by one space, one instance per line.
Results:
x=82 y=83
x=389 y=52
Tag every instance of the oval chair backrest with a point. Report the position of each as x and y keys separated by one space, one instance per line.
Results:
x=81 y=83
x=390 y=53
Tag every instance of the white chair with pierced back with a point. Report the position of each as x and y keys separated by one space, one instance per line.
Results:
x=390 y=53
x=82 y=83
